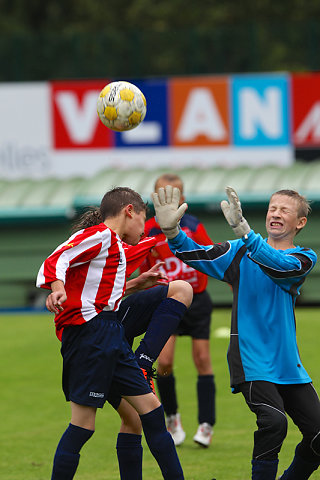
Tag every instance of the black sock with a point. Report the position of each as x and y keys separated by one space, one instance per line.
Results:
x=67 y=455
x=264 y=469
x=161 y=444
x=129 y=452
x=167 y=391
x=300 y=469
x=206 y=391
x=163 y=324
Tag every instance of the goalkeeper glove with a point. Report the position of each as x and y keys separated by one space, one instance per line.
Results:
x=168 y=212
x=233 y=212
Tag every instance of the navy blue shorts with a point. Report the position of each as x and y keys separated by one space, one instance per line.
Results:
x=197 y=319
x=136 y=310
x=97 y=359
x=135 y=313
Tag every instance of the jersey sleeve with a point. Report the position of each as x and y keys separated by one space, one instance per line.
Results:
x=213 y=260
x=151 y=229
x=146 y=264
x=285 y=267
x=136 y=255
x=79 y=248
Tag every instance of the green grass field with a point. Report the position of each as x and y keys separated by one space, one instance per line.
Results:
x=34 y=413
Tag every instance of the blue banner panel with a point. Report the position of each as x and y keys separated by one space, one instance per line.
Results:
x=260 y=110
x=153 y=131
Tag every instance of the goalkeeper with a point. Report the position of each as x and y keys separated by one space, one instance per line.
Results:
x=263 y=357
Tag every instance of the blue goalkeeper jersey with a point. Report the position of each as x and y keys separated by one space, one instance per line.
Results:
x=265 y=282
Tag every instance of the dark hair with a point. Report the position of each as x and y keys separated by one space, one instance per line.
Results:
x=117 y=198
x=111 y=205
x=303 y=205
x=89 y=218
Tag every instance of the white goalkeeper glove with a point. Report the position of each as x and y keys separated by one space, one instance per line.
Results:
x=233 y=212
x=168 y=212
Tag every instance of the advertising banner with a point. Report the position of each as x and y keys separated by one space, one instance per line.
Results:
x=51 y=129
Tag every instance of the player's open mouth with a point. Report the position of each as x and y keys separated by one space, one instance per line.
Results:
x=276 y=224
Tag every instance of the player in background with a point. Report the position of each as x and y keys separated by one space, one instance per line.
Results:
x=195 y=323
x=156 y=312
x=263 y=356
x=87 y=278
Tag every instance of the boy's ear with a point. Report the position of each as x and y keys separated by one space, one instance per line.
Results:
x=129 y=210
x=301 y=223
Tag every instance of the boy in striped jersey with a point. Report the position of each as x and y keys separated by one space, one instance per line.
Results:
x=155 y=312
x=87 y=278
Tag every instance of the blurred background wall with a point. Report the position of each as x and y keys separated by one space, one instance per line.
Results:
x=233 y=95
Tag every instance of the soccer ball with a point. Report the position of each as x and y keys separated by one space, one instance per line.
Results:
x=121 y=106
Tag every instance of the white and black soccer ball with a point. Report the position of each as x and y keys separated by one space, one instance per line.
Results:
x=121 y=106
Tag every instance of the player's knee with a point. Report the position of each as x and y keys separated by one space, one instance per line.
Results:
x=131 y=424
x=281 y=426
x=181 y=291
x=130 y=420
x=202 y=363
x=315 y=444
x=274 y=424
x=165 y=368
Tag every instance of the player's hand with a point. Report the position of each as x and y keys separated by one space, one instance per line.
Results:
x=233 y=212
x=54 y=301
x=168 y=212
x=154 y=276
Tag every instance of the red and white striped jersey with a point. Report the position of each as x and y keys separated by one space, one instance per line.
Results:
x=93 y=267
x=135 y=254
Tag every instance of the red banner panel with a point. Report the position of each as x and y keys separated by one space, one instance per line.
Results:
x=306 y=110
x=75 y=122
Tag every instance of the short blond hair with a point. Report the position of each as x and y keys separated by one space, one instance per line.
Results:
x=170 y=178
x=303 y=204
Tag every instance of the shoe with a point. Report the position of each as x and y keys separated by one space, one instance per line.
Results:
x=175 y=428
x=149 y=375
x=204 y=435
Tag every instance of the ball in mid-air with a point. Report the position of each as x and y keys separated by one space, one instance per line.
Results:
x=121 y=106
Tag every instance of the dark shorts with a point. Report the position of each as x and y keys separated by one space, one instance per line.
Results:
x=97 y=359
x=197 y=319
x=136 y=310
x=135 y=313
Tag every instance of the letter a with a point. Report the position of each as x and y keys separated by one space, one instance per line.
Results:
x=310 y=125
x=201 y=117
